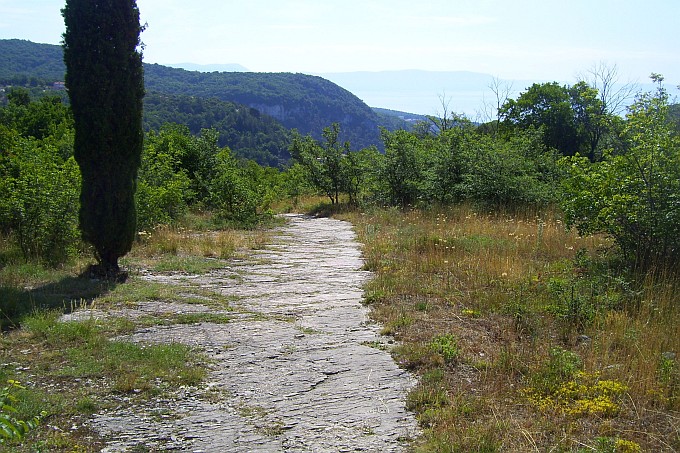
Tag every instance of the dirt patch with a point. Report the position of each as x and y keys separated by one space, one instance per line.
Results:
x=296 y=369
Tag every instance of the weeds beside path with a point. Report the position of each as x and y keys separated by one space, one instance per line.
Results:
x=524 y=340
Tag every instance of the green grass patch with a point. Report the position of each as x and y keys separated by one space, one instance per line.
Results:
x=82 y=349
x=187 y=264
x=70 y=367
x=446 y=346
x=22 y=295
x=183 y=318
x=137 y=291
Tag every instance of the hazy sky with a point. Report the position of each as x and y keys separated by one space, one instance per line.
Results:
x=528 y=39
x=542 y=40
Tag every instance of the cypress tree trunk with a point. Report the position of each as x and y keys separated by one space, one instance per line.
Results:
x=105 y=82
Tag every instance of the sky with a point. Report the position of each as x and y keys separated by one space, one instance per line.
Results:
x=552 y=40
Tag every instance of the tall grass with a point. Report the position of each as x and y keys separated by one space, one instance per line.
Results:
x=222 y=244
x=555 y=349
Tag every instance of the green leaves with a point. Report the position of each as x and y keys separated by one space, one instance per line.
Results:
x=163 y=186
x=446 y=345
x=572 y=119
x=12 y=428
x=39 y=201
x=632 y=196
x=403 y=171
x=330 y=166
x=241 y=192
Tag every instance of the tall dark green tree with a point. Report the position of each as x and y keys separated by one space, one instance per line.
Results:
x=105 y=82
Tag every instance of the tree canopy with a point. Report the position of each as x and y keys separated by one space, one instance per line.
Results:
x=247 y=132
x=572 y=119
x=633 y=195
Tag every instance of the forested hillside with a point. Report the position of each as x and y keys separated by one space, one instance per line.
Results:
x=393 y=120
x=245 y=130
x=296 y=101
x=24 y=63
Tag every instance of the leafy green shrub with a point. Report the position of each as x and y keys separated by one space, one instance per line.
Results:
x=237 y=198
x=323 y=162
x=462 y=164
x=12 y=429
x=163 y=188
x=39 y=202
x=46 y=118
x=359 y=174
x=632 y=196
x=194 y=156
x=294 y=183
x=39 y=180
x=402 y=175
x=447 y=346
x=451 y=161
x=512 y=171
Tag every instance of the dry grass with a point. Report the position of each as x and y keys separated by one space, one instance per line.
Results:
x=180 y=241
x=555 y=351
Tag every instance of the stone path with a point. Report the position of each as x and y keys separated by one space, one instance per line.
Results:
x=297 y=372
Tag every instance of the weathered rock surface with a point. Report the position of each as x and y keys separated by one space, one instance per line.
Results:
x=293 y=373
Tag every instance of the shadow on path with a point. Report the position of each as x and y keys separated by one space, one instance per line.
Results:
x=67 y=294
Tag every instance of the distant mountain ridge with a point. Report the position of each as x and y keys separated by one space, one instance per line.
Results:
x=410 y=90
x=422 y=92
x=230 y=67
x=299 y=101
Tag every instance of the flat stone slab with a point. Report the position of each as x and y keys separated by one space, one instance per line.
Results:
x=296 y=374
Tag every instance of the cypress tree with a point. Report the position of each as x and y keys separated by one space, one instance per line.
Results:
x=105 y=82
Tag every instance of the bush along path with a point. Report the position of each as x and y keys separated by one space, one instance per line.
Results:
x=296 y=366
